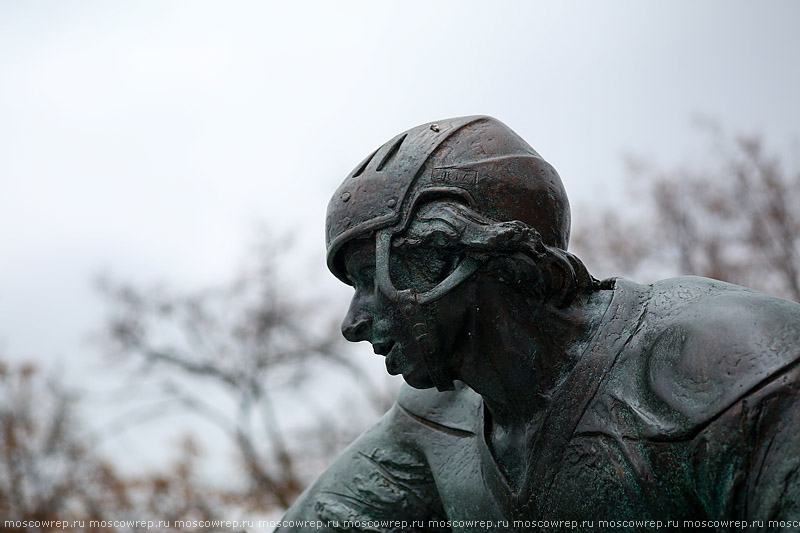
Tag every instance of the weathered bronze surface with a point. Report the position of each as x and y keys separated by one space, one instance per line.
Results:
x=535 y=393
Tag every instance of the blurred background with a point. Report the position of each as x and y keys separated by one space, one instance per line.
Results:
x=169 y=343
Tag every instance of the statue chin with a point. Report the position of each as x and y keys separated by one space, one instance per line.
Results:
x=419 y=380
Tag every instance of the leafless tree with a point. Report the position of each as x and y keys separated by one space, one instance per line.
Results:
x=44 y=467
x=737 y=220
x=53 y=478
x=233 y=354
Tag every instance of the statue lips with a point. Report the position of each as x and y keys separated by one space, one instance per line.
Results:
x=387 y=349
x=382 y=348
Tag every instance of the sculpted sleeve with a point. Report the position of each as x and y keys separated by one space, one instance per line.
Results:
x=734 y=377
x=748 y=460
x=774 y=483
x=380 y=483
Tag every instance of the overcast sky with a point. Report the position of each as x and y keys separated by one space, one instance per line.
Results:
x=147 y=139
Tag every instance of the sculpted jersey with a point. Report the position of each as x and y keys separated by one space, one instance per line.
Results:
x=683 y=407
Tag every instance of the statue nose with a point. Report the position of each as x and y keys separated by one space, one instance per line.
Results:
x=356 y=329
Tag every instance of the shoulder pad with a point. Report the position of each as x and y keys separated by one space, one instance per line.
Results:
x=724 y=344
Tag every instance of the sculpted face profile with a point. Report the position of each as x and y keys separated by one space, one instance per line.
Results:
x=538 y=397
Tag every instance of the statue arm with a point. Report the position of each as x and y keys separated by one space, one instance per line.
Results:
x=734 y=372
x=380 y=483
x=748 y=460
x=774 y=475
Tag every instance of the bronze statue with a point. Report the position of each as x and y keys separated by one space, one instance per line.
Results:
x=537 y=397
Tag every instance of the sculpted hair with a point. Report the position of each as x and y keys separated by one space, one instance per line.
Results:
x=511 y=251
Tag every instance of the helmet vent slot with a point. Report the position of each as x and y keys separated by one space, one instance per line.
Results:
x=391 y=153
x=363 y=166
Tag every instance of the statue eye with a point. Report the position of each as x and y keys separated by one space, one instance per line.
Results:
x=367 y=274
x=359 y=262
x=361 y=277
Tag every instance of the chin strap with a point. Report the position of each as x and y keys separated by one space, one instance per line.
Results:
x=411 y=306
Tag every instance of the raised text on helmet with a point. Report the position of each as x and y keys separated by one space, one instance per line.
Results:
x=454 y=175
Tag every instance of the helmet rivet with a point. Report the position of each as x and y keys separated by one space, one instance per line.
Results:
x=435 y=127
x=346 y=222
x=392 y=202
x=345 y=196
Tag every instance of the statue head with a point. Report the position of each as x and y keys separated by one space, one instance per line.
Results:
x=427 y=211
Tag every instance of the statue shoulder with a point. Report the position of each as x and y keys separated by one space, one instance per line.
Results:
x=455 y=412
x=718 y=343
x=384 y=474
x=380 y=477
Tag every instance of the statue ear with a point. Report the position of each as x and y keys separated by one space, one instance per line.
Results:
x=520 y=272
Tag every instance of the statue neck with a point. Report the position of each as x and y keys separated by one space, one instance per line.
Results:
x=519 y=353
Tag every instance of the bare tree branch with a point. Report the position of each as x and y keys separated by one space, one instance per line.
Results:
x=252 y=341
x=737 y=221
